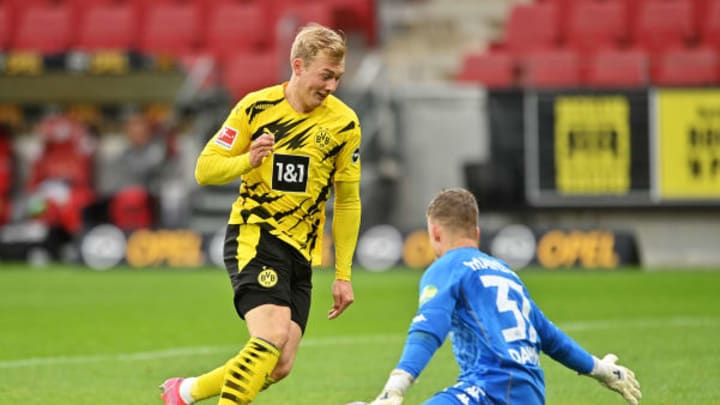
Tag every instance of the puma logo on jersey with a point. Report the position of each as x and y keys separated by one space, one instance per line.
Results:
x=226 y=137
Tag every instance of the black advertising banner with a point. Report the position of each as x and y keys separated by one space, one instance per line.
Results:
x=587 y=148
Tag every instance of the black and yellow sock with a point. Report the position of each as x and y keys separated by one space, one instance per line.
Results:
x=245 y=374
x=209 y=384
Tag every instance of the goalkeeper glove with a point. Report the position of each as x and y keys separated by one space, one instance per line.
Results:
x=616 y=378
x=395 y=388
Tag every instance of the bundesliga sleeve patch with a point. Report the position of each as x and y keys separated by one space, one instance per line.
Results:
x=226 y=137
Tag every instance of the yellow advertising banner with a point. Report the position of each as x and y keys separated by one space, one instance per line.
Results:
x=592 y=145
x=689 y=143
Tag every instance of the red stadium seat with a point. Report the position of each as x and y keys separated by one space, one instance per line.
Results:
x=107 y=27
x=235 y=27
x=44 y=29
x=664 y=24
x=302 y=13
x=596 y=25
x=618 y=68
x=563 y=10
x=170 y=29
x=710 y=34
x=5 y=25
x=131 y=209
x=246 y=72
x=355 y=15
x=495 y=69
x=531 y=27
x=552 y=68
x=687 y=67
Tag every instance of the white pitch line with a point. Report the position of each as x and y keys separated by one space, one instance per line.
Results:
x=336 y=341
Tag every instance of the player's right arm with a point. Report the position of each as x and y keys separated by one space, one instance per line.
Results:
x=428 y=330
x=230 y=153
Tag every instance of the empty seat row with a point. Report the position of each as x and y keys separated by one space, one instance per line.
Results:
x=169 y=27
x=588 y=25
x=607 y=68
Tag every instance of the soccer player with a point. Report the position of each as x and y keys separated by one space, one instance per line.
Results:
x=498 y=332
x=291 y=144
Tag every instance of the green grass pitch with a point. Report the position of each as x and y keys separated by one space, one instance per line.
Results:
x=75 y=336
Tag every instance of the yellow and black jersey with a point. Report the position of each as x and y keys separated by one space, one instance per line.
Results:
x=286 y=194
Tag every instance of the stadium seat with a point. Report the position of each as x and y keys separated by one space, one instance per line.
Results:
x=687 y=67
x=235 y=27
x=250 y=71
x=710 y=29
x=131 y=209
x=106 y=27
x=531 y=27
x=45 y=29
x=664 y=24
x=304 y=12
x=618 y=69
x=355 y=15
x=563 y=10
x=596 y=25
x=700 y=10
x=5 y=27
x=494 y=69
x=170 y=29
x=552 y=69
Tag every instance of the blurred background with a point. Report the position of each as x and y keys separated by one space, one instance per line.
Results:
x=589 y=130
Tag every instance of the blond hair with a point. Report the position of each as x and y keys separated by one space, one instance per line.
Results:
x=455 y=209
x=315 y=38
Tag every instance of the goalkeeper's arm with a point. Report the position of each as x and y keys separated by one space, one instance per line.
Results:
x=419 y=349
x=617 y=378
x=566 y=351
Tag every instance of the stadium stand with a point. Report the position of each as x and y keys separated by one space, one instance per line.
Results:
x=171 y=28
x=247 y=71
x=224 y=35
x=596 y=25
x=44 y=28
x=663 y=25
x=617 y=68
x=552 y=69
x=5 y=25
x=687 y=67
x=492 y=69
x=531 y=27
x=108 y=26
x=302 y=13
x=710 y=26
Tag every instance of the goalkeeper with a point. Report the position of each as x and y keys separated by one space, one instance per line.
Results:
x=498 y=332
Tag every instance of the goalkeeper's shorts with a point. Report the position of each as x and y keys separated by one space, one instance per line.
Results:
x=265 y=270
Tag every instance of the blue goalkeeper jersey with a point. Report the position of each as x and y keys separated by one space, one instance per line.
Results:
x=497 y=331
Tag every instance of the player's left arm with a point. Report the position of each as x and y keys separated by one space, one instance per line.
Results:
x=566 y=351
x=345 y=229
x=347 y=211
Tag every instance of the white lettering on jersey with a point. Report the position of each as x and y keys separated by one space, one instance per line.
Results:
x=526 y=355
x=475 y=392
x=419 y=318
x=481 y=263
x=463 y=398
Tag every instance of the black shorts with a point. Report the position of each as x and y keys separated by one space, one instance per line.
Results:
x=265 y=270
